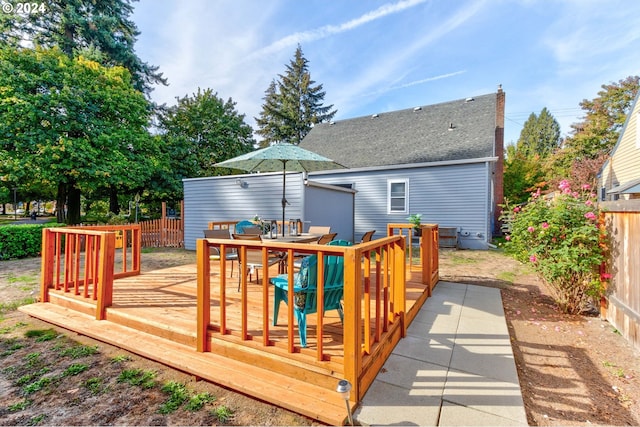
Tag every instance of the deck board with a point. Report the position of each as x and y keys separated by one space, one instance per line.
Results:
x=299 y=396
x=154 y=315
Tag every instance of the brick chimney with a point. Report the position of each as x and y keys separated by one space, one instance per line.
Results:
x=499 y=168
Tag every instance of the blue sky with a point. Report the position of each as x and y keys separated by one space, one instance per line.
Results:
x=375 y=56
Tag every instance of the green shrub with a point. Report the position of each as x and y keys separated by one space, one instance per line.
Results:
x=22 y=241
x=561 y=239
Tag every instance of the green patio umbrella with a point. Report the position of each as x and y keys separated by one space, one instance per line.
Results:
x=281 y=157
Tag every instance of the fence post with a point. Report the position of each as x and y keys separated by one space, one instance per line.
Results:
x=352 y=320
x=48 y=254
x=163 y=226
x=204 y=294
x=426 y=247
x=105 y=274
x=399 y=282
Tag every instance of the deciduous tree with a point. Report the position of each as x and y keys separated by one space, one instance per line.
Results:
x=591 y=140
x=199 y=131
x=71 y=124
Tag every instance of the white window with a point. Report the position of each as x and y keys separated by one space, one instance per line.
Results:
x=397 y=196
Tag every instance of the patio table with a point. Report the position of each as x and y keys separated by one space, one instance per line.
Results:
x=300 y=238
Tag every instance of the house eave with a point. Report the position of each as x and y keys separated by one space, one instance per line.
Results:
x=409 y=166
x=630 y=187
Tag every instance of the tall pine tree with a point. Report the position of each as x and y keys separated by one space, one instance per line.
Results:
x=293 y=104
x=79 y=25
x=525 y=162
x=540 y=135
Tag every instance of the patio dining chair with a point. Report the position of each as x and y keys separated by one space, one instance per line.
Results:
x=240 y=226
x=326 y=238
x=253 y=258
x=305 y=289
x=323 y=240
x=230 y=253
x=319 y=229
x=366 y=237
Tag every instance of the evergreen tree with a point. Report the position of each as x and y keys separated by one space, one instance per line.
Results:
x=293 y=104
x=540 y=135
x=76 y=26
x=524 y=166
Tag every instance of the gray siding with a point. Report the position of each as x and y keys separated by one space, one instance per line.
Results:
x=329 y=207
x=449 y=195
x=221 y=199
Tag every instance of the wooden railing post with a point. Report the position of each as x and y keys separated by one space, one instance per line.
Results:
x=136 y=245
x=204 y=294
x=105 y=274
x=426 y=247
x=399 y=281
x=48 y=254
x=352 y=320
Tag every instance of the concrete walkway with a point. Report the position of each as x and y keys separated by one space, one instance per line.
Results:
x=455 y=367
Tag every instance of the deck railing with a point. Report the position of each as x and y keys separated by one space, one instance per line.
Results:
x=427 y=248
x=82 y=261
x=374 y=300
x=128 y=242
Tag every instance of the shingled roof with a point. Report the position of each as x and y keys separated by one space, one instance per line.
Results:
x=455 y=130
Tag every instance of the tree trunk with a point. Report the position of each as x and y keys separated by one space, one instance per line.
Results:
x=73 y=205
x=61 y=202
x=114 y=206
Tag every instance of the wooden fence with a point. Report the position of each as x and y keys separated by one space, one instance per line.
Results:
x=622 y=304
x=162 y=233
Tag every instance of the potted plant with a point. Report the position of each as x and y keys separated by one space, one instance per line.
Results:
x=415 y=220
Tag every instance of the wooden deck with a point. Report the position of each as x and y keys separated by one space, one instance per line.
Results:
x=155 y=315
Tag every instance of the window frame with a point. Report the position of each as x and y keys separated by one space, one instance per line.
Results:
x=390 y=183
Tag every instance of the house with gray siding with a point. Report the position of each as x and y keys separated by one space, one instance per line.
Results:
x=444 y=161
x=243 y=197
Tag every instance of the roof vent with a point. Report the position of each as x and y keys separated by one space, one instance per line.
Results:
x=469 y=100
x=374 y=116
x=451 y=126
x=417 y=109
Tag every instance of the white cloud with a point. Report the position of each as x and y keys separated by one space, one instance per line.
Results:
x=330 y=30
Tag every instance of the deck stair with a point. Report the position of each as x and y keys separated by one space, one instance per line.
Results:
x=303 y=397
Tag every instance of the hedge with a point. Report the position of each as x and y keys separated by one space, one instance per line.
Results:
x=22 y=241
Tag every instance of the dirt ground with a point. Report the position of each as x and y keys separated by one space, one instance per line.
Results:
x=574 y=370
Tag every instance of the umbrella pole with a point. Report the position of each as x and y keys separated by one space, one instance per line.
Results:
x=284 y=184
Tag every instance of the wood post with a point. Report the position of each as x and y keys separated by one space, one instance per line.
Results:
x=204 y=294
x=105 y=274
x=48 y=254
x=352 y=316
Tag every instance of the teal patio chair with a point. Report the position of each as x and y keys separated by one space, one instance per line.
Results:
x=239 y=228
x=305 y=289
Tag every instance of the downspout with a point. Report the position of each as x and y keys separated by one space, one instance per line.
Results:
x=488 y=202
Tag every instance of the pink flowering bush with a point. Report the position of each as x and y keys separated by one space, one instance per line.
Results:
x=561 y=239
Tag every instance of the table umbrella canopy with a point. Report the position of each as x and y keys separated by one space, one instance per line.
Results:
x=281 y=157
